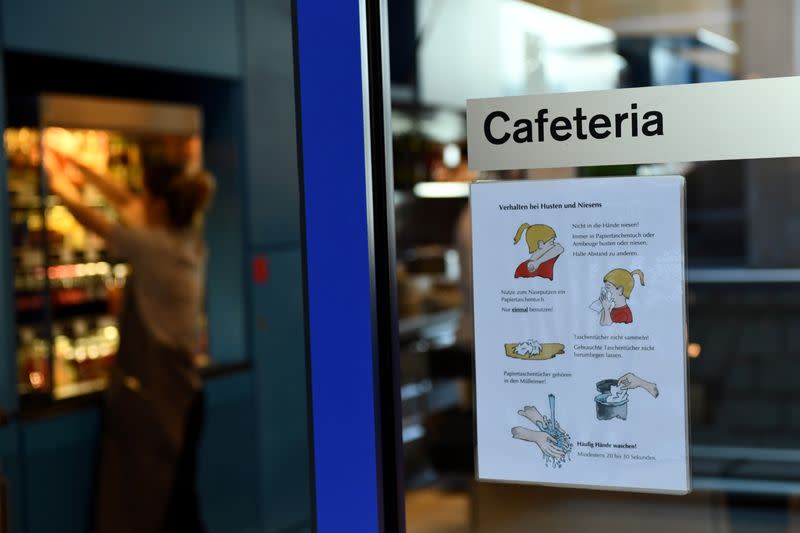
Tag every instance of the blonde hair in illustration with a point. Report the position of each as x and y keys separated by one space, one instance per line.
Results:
x=534 y=234
x=622 y=279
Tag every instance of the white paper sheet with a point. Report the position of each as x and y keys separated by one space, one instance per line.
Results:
x=592 y=270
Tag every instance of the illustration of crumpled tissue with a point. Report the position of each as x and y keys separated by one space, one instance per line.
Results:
x=529 y=347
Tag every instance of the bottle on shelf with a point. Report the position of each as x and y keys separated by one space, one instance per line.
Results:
x=32 y=361
x=64 y=369
x=52 y=249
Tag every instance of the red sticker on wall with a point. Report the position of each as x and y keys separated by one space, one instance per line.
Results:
x=260 y=269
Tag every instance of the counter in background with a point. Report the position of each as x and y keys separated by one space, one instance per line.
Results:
x=58 y=451
x=87 y=395
x=435 y=379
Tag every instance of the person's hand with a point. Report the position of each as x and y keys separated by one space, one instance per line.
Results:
x=61 y=141
x=545 y=442
x=546 y=422
x=532 y=414
x=533 y=265
x=60 y=162
x=631 y=381
x=606 y=300
x=53 y=163
x=60 y=184
x=63 y=148
x=74 y=173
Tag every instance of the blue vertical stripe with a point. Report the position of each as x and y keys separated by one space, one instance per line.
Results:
x=338 y=265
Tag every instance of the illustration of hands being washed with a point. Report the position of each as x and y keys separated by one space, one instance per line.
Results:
x=554 y=443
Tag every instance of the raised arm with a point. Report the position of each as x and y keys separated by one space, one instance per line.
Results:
x=119 y=196
x=128 y=205
x=541 y=256
x=88 y=217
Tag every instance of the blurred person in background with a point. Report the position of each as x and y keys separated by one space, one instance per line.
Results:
x=154 y=405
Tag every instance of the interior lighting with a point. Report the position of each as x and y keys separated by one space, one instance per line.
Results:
x=441 y=189
x=36 y=379
x=451 y=155
x=557 y=30
x=717 y=41
x=693 y=350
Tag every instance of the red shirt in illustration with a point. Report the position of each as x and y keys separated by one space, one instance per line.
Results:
x=545 y=270
x=622 y=315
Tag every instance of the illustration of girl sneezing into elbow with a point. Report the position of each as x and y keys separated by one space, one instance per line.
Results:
x=613 y=302
x=543 y=248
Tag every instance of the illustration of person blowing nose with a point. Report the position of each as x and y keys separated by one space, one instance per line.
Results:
x=613 y=302
x=543 y=248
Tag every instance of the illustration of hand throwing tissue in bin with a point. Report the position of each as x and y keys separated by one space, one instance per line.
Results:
x=612 y=305
x=544 y=250
x=612 y=402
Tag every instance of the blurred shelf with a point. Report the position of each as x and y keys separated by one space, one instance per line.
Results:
x=51 y=201
x=81 y=388
x=746 y=486
x=90 y=308
x=746 y=453
x=716 y=215
x=416 y=325
x=744 y=275
x=68 y=398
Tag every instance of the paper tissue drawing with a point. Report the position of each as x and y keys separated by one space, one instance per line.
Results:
x=612 y=305
x=533 y=350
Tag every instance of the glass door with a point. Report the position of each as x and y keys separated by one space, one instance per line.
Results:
x=742 y=254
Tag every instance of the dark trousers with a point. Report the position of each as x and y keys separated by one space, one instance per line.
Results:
x=183 y=513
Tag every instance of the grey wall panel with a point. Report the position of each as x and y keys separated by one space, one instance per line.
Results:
x=59 y=467
x=149 y=33
x=10 y=471
x=274 y=197
x=60 y=458
x=280 y=372
x=228 y=456
x=276 y=318
x=224 y=230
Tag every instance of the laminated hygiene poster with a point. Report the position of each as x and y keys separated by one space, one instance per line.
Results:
x=580 y=333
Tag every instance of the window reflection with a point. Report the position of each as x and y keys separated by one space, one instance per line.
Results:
x=743 y=250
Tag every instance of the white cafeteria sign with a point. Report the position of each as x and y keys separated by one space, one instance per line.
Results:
x=580 y=333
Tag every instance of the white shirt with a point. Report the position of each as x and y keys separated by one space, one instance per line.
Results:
x=169 y=270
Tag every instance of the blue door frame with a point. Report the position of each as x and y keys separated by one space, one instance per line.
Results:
x=349 y=264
